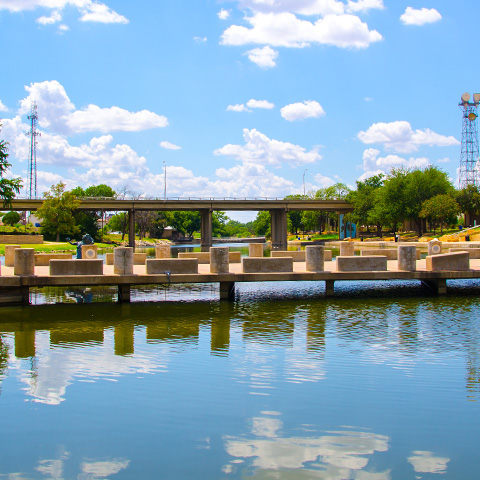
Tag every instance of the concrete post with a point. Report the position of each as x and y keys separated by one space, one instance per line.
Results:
x=438 y=286
x=329 y=288
x=407 y=258
x=123 y=294
x=279 y=229
x=24 y=261
x=123 y=261
x=315 y=258
x=227 y=291
x=434 y=247
x=219 y=260
x=255 y=249
x=89 y=252
x=10 y=255
x=206 y=230
x=162 y=251
x=347 y=249
x=131 y=229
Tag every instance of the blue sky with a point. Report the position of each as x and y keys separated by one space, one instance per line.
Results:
x=236 y=98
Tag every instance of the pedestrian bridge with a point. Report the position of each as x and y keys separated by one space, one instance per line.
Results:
x=278 y=209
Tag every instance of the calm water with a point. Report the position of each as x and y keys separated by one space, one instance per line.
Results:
x=283 y=384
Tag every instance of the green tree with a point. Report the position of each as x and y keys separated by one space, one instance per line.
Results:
x=469 y=200
x=8 y=187
x=118 y=223
x=11 y=218
x=262 y=224
x=420 y=186
x=57 y=212
x=86 y=220
x=364 y=200
x=439 y=210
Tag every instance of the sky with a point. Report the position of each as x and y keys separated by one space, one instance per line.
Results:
x=241 y=98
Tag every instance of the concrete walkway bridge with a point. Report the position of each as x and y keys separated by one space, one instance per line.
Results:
x=278 y=209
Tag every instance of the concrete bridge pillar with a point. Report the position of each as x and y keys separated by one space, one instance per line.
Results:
x=206 y=230
x=131 y=229
x=279 y=229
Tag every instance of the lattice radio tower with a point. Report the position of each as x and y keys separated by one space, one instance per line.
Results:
x=469 y=173
x=32 y=161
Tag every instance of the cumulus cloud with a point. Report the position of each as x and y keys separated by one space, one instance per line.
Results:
x=422 y=16
x=169 y=146
x=90 y=10
x=300 y=111
x=263 y=57
x=223 y=14
x=58 y=113
x=372 y=162
x=3 y=108
x=364 y=5
x=400 y=137
x=252 y=103
x=261 y=150
x=286 y=30
x=53 y=18
x=239 y=107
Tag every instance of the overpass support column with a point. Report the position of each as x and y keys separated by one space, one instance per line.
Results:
x=206 y=230
x=279 y=229
x=131 y=229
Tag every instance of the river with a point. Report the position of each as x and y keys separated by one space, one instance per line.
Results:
x=376 y=383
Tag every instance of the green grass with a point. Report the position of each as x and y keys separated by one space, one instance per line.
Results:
x=55 y=247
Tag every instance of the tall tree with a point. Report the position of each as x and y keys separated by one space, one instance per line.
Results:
x=86 y=220
x=8 y=187
x=469 y=200
x=439 y=210
x=57 y=212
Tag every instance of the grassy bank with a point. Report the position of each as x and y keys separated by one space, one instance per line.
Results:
x=56 y=247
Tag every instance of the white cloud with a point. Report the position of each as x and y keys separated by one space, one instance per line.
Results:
x=3 y=108
x=261 y=150
x=223 y=14
x=63 y=28
x=286 y=30
x=400 y=137
x=372 y=162
x=239 y=107
x=300 y=111
x=53 y=18
x=364 y=5
x=90 y=10
x=252 y=103
x=323 y=181
x=99 y=12
x=263 y=57
x=413 y=16
x=443 y=160
x=200 y=39
x=426 y=462
x=57 y=113
x=170 y=146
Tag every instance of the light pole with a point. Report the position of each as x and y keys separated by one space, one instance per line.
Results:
x=304 y=183
x=165 y=181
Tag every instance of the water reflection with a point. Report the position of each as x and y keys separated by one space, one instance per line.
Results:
x=336 y=454
x=427 y=462
x=88 y=469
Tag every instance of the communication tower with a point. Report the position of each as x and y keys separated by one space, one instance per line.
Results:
x=469 y=173
x=32 y=161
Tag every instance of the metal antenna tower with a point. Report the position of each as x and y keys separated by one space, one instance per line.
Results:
x=32 y=161
x=469 y=173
